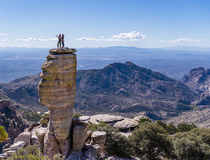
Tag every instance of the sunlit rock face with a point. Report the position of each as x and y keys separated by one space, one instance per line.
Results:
x=57 y=91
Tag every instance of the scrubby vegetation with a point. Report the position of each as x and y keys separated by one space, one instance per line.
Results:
x=28 y=153
x=31 y=116
x=149 y=141
x=3 y=134
x=158 y=140
x=32 y=153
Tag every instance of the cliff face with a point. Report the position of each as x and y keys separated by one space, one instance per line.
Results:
x=57 y=91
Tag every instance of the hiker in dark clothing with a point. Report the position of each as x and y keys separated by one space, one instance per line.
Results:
x=59 y=41
x=62 y=40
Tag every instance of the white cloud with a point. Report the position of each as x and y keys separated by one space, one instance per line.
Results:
x=184 y=40
x=36 y=39
x=4 y=40
x=132 y=36
x=3 y=34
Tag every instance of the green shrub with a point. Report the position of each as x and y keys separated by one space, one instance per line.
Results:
x=142 y=120
x=101 y=127
x=170 y=128
x=28 y=153
x=203 y=133
x=164 y=125
x=150 y=141
x=76 y=115
x=190 y=146
x=118 y=145
x=184 y=127
x=3 y=134
x=115 y=144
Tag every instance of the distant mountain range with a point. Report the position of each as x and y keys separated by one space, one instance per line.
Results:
x=173 y=62
x=124 y=88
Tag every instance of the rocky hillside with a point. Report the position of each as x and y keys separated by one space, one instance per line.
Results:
x=119 y=87
x=198 y=79
x=128 y=88
x=24 y=91
x=199 y=116
x=9 y=118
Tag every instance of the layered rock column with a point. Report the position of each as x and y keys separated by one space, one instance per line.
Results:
x=57 y=91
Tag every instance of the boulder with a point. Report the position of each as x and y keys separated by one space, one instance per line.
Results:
x=106 y=118
x=40 y=133
x=10 y=153
x=125 y=124
x=98 y=137
x=83 y=119
x=17 y=145
x=25 y=136
x=137 y=118
x=3 y=156
x=34 y=138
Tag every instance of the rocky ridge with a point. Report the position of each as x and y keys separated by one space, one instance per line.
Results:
x=123 y=88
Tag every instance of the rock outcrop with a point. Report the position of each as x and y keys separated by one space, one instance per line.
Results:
x=57 y=91
x=84 y=144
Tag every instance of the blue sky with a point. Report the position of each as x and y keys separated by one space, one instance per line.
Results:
x=101 y=23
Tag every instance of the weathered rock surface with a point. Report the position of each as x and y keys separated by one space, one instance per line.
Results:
x=98 y=137
x=51 y=144
x=25 y=136
x=106 y=118
x=57 y=91
x=137 y=118
x=127 y=123
x=18 y=145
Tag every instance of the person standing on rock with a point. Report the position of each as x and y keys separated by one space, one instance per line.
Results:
x=59 y=41
x=62 y=40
